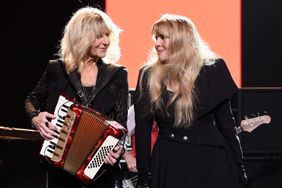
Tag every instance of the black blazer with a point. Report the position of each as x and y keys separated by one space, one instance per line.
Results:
x=111 y=90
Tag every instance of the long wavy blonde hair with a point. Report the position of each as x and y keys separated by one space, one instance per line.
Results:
x=187 y=54
x=86 y=25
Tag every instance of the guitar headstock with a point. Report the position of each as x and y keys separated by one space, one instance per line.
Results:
x=252 y=123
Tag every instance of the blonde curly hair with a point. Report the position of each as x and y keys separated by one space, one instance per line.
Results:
x=86 y=25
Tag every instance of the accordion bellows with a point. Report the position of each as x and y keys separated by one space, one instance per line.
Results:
x=86 y=137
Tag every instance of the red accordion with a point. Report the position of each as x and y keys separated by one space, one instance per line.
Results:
x=86 y=137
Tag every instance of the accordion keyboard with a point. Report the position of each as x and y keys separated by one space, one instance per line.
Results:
x=61 y=111
x=64 y=135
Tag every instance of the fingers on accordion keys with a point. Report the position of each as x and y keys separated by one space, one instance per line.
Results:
x=116 y=148
x=56 y=131
x=53 y=131
x=120 y=149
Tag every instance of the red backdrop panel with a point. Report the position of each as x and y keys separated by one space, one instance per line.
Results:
x=218 y=21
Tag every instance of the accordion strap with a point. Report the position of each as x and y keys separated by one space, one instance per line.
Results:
x=106 y=77
x=78 y=87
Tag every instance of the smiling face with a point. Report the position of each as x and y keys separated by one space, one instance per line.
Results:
x=100 y=46
x=162 y=43
x=161 y=35
x=96 y=34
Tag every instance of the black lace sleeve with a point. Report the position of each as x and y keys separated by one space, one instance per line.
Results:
x=35 y=100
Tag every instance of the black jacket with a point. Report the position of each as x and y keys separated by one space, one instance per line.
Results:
x=111 y=90
x=187 y=149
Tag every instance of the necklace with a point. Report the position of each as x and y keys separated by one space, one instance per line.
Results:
x=88 y=77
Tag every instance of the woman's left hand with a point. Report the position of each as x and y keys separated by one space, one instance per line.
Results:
x=130 y=161
x=114 y=155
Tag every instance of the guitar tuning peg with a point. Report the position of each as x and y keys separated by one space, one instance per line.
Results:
x=258 y=114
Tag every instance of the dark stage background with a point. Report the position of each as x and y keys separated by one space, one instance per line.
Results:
x=30 y=34
x=31 y=30
x=262 y=90
x=261 y=43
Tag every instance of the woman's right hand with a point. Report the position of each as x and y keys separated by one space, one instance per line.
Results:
x=46 y=129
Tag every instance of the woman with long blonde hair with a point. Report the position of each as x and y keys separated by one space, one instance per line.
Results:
x=185 y=87
x=86 y=71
